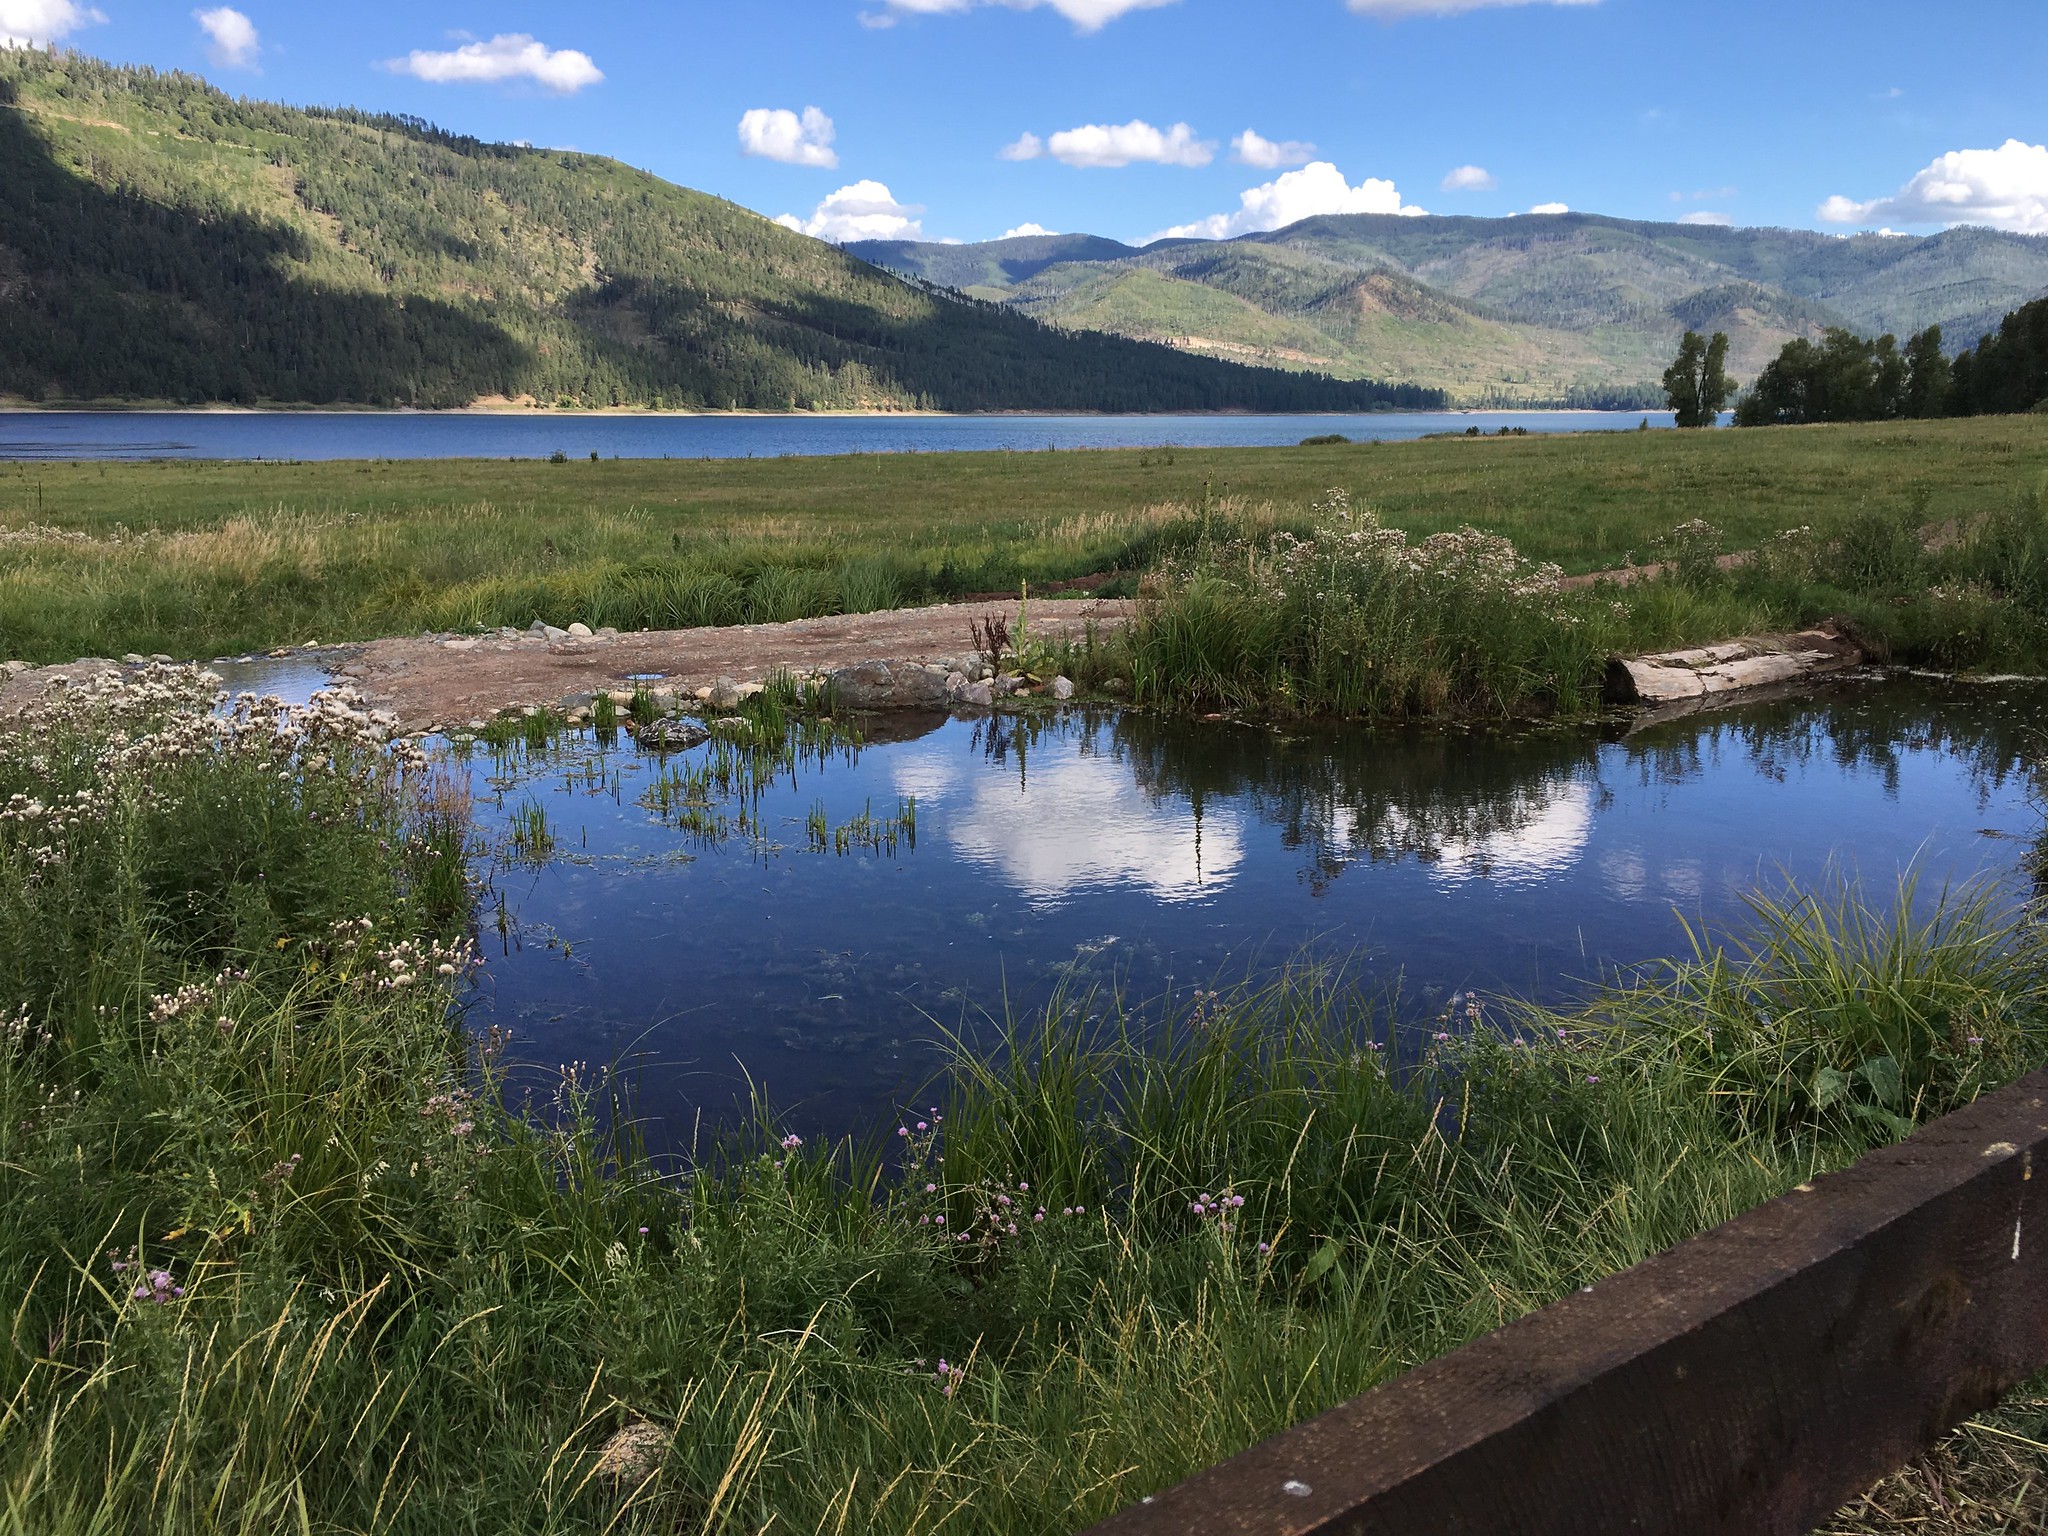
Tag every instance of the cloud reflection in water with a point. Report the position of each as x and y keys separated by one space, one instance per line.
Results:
x=1077 y=824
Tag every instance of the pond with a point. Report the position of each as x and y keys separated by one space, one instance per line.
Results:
x=815 y=941
x=310 y=435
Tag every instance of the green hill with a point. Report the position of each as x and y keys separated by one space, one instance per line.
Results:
x=160 y=240
x=1573 y=308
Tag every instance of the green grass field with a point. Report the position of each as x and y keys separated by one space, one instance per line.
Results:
x=196 y=559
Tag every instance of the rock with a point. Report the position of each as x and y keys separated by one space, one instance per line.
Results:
x=477 y=725
x=458 y=645
x=161 y=660
x=1006 y=685
x=608 y=633
x=580 y=631
x=723 y=694
x=553 y=634
x=890 y=685
x=673 y=735
x=134 y=659
x=623 y=697
x=1062 y=688
x=975 y=696
x=635 y=1453
x=1116 y=687
x=732 y=727
x=752 y=690
x=13 y=668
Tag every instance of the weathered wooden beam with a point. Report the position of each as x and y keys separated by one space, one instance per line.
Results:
x=1746 y=1383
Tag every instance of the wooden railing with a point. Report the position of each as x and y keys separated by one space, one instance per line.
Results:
x=1746 y=1383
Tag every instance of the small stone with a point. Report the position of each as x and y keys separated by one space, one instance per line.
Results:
x=703 y=695
x=608 y=633
x=975 y=696
x=161 y=660
x=579 y=631
x=554 y=633
x=623 y=697
x=673 y=735
x=752 y=690
x=635 y=1453
x=477 y=725
x=1062 y=688
x=134 y=659
x=724 y=694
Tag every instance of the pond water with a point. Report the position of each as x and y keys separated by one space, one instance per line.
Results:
x=736 y=945
x=307 y=435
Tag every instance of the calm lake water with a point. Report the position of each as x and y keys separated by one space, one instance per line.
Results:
x=1098 y=848
x=304 y=435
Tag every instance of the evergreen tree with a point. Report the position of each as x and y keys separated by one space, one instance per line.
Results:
x=1927 y=375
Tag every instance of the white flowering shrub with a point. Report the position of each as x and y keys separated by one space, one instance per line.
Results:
x=145 y=809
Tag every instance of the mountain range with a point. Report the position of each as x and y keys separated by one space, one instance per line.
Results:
x=1568 y=308
x=161 y=240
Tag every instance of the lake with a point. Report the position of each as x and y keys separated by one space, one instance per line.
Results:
x=310 y=435
x=749 y=941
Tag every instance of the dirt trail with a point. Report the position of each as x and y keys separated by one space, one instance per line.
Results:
x=447 y=681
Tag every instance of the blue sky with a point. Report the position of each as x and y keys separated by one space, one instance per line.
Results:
x=963 y=119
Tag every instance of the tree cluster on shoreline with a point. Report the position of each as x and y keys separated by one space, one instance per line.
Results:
x=1846 y=377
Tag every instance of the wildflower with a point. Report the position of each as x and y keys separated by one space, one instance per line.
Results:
x=1592 y=1077
x=791 y=1143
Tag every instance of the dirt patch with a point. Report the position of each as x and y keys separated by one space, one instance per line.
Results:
x=430 y=682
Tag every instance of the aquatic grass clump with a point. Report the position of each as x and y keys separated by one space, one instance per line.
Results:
x=1353 y=619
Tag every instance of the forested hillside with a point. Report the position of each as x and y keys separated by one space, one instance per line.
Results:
x=1572 y=308
x=160 y=240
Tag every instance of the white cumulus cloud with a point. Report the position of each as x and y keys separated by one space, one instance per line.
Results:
x=865 y=210
x=1250 y=148
x=1027 y=228
x=1470 y=178
x=508 y=56
x=1114 y=144
x=1086 y=15
x=776 y=133
x=1314 y=189
x=2006 y=188
x=32 y=23
x=1395 y=10
x=1552 y=208
x=1720 y=220
x=232 y=40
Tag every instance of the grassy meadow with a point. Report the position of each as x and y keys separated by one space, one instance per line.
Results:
x=200 y=559
x=276 y=1254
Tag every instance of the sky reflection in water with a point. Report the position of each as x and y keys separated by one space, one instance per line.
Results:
x=1100 y=849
